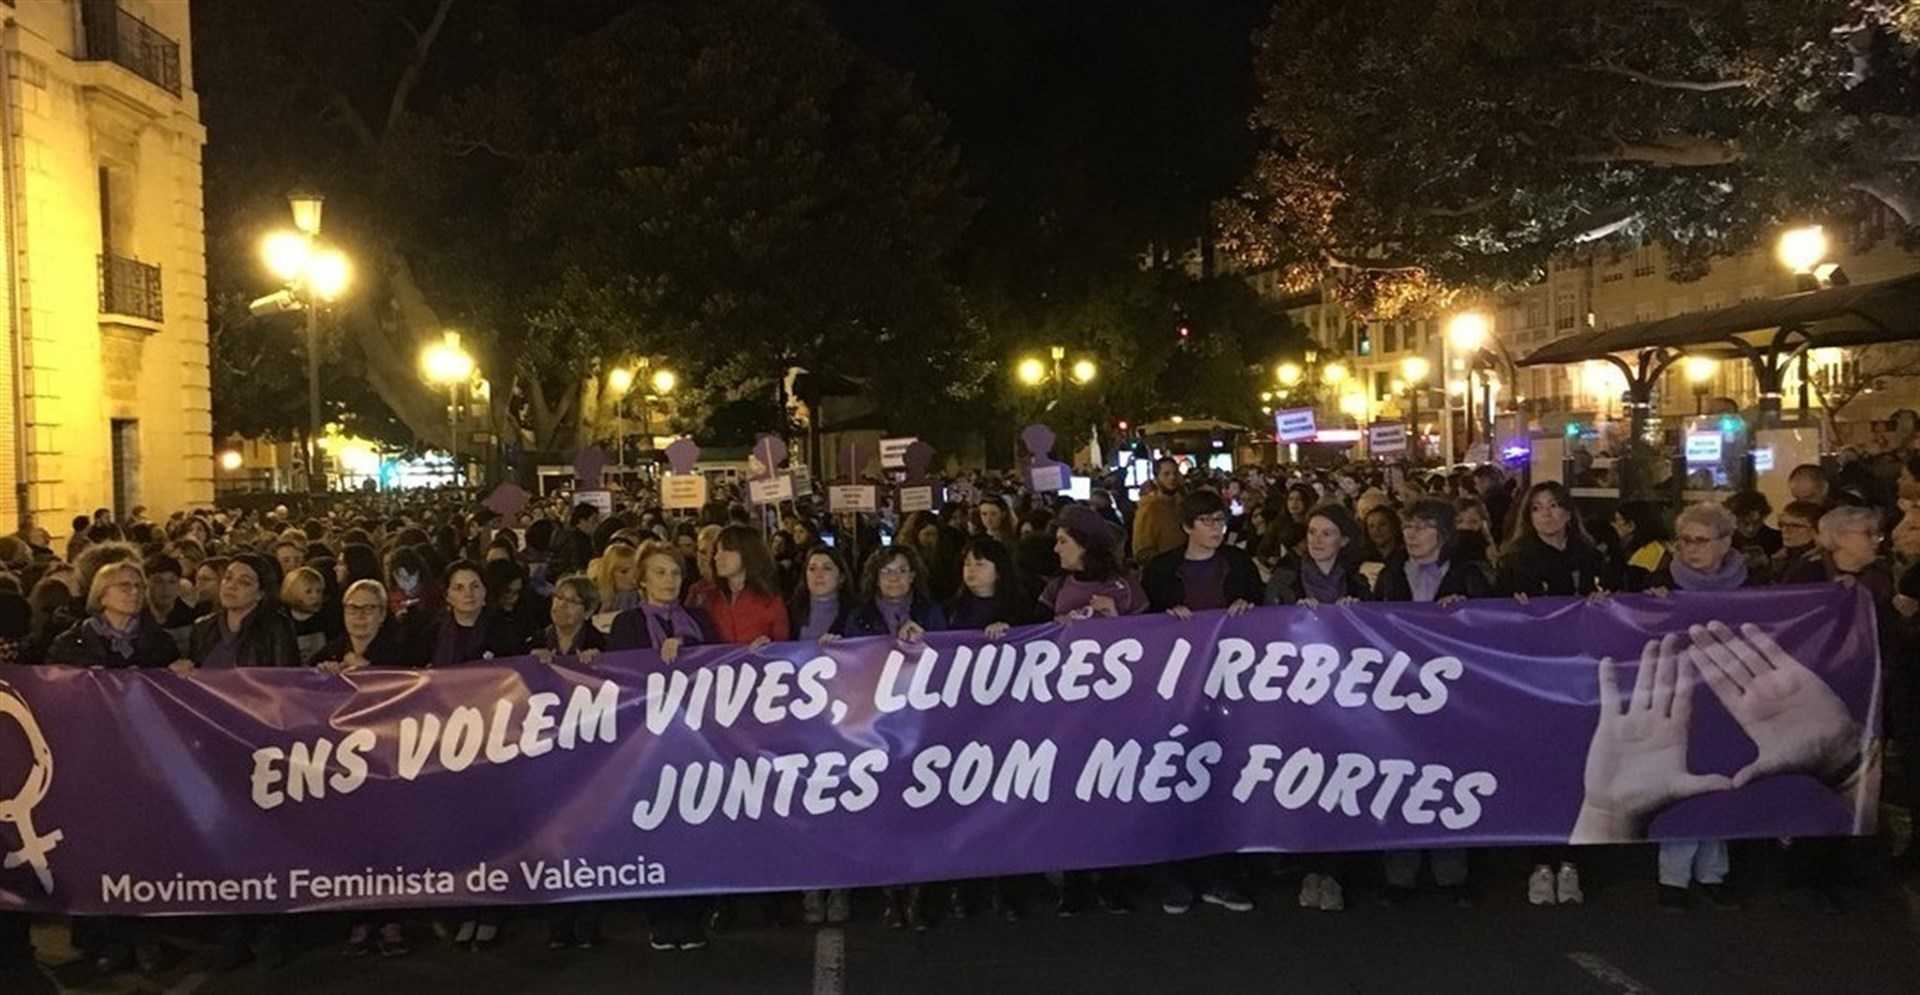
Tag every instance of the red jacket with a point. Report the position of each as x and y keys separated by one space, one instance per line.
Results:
x=744 y=617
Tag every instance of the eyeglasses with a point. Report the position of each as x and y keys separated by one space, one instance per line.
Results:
x=570 y=599
x=1698 y=540
x=1212 y=521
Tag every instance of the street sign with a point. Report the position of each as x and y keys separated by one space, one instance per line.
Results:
x=1703 y=447
x=917 y=498
x=893 y=452
x=1386 y=438
x=853 y=497
x=1294 y=425
x=772 y=491
x=679 y=491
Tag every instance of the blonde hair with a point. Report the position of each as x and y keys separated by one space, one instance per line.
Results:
x=295 y=578
x=104 y=576
x=601 y=571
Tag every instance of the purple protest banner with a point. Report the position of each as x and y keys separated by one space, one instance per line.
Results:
x=868 y=762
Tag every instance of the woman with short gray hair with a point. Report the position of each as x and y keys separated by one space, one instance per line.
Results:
x=1703 y=560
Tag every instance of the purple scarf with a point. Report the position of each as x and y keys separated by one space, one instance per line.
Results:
x=1730 y=577
x=1323 y=587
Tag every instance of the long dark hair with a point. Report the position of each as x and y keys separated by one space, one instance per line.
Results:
x=755 y=561
x=1009 y=589
x=1523 y=518
x=1098 y=562
x=799 y=602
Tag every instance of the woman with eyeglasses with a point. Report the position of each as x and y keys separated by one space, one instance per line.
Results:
x=118 y=630
x=571 y=632
x=368 y=641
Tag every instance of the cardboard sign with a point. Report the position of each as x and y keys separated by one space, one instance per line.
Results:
x=1295 y=425
x=1387 y=439
x=602 y=500
x=802 y=475
x=917 y=498
x=679 y=491
x=853 y=497
x=1048 y=477
x=771 y=491
x=893 y=452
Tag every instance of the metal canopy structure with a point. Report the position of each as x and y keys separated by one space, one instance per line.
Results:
x=1886 y=311
x=1771 y=335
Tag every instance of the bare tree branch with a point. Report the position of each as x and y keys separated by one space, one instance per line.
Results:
x=1340 y=260
x=1471 y=207
x=1691 y=86
x=348 y=114
x=422 y=47
x=1684 y=151
x=1892 y=191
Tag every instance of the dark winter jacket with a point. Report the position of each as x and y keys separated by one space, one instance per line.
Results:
x=81 y=645
x=1165 y=588
x=265 y=638
x=1536 y=569
x=1465 y=578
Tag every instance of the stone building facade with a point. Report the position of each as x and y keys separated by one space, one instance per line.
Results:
x=105 y=352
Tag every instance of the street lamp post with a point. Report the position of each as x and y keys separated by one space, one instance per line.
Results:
x=446 y=364
x=1471 y=336
x=313 y=275
x=620 y=381
x=1414 y=370
x=1700 y=371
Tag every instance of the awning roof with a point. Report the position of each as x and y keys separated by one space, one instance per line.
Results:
x=1170 y=427
x=1887 y=311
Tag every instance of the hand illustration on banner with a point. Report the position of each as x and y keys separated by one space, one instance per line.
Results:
x=18 y=810
x=1637 y=762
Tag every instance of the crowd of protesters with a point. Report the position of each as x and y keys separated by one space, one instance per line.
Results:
x=438 y=581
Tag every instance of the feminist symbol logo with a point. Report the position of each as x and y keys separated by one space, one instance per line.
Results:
x=18 y=810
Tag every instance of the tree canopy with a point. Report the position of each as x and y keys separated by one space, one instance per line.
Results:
x=1409 y=149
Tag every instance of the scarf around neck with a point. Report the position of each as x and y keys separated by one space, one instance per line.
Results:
x=1731 y=574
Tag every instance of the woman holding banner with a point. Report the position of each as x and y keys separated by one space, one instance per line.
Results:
x=1328 y=572
x=571 y=632
x=661 y=624
x=894 y=602
x=1424 y=570
x=1550 y=555
x=746 y=608
x=466 y=630
x=246 y=628
x=1703 y=560
x=824 y=598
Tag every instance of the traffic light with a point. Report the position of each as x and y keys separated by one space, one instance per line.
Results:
x=1573 y=430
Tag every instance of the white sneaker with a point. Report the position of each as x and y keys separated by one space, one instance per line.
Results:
x=1540 y=886
x=813 y=907
x=1310 y=890
x=839 y=905
x=1568 y=885
x=1331 y=898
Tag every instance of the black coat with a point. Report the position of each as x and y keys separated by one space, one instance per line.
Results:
x=588 y=638
x=1165 y=589
x=799 y=608
x=388 y=649
x=1536 y=569
x=266 y=638
x=497 y=636
x=866 y=620
x=1465 y=578
x=1284 y=587
x=631 y=632
x=81 y=646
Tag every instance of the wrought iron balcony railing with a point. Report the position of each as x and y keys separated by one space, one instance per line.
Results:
x=130 y=287
x=113 y=35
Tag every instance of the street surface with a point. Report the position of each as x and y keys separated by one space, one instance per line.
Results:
x=1784 y=941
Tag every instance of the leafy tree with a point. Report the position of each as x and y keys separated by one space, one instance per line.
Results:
x=1413 y=149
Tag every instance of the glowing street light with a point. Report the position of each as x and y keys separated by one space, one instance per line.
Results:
x=1468 y=331
x=446 y=364
x=1700 y=369
x=1031 y=372
x=231 y=460
x=1414 y=369
x=1802 y=249
x=1084 y=371
x=1334 y=374
x=286 y=254
x=664 y=381
x=619 y=380
x=328 y=273
x=1288 y=374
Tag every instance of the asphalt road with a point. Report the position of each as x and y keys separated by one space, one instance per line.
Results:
x=1783 y=941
